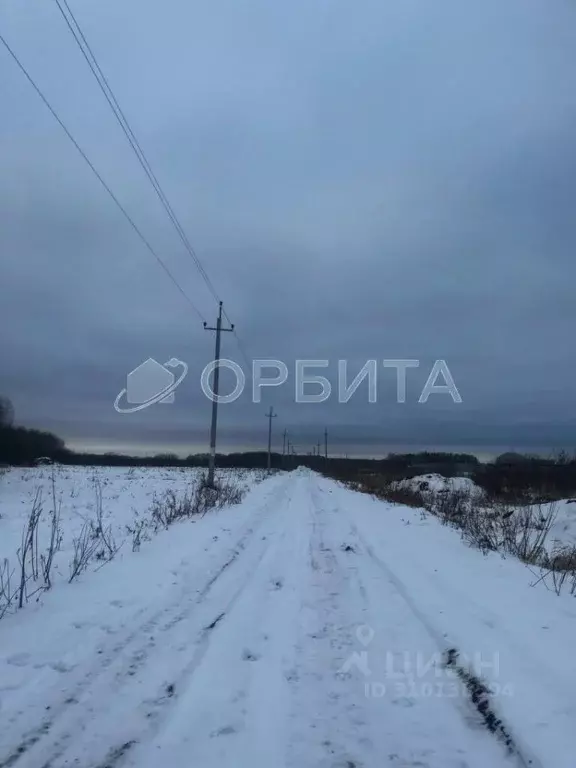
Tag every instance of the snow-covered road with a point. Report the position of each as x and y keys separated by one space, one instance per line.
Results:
x=306 y=627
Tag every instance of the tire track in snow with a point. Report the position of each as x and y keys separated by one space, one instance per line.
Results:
x=504 y=733
x=112 y=670
x=219 y=714
x=203 y=636
x=336 y=734
x=477 y=704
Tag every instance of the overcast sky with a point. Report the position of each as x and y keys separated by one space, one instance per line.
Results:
x=362 y=180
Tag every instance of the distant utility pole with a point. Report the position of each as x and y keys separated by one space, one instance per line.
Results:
x=318 y=447
x=216 y=381
x=270 y=415
x=326 y=446
x=284 y=442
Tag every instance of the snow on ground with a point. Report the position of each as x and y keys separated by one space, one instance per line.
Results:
x=438 y=483
x=564 y=528
x=562 y=531
x=303 y=628
x=125 y=492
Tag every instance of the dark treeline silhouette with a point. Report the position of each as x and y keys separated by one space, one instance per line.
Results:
x=527 y=477
x=514 y=477
x=511 y=475
x=246 y=460
x=400 y=465
x=21 y=446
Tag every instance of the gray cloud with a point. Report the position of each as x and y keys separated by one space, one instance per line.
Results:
x=376 y=181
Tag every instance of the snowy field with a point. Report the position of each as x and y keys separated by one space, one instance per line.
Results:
x=121 y=496
x=309 y=626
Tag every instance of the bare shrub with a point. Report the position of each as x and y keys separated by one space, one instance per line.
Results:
x=28 y=552
x=201 y=497
x=139 y=532
x=560 y=568
x=85 y=547
x=488 y=525
x=563 y=559
x=95 y=540
x=168 y=508
x=451 y=506
x=407 y=496
x=101 y=531
x=503 y=522
x=8 y=592
x=47 y=558
x=396 y=493
x=225 y=492
x=481 y=528
x=32 y=562
x=525 y=531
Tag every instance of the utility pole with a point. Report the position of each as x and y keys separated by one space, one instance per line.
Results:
x=326 y=446
x=270 y=415
x=318 y=447
x=216 y=381
x=284 y=457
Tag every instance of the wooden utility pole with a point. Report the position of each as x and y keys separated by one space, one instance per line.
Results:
x=270 y=415
x=216 y=381
x=284 y=442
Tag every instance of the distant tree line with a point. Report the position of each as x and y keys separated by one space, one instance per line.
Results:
x=517 y=476
x=19 y=445
x=511 y=474
x=247 y=460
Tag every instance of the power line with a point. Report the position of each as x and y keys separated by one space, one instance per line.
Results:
x=106 y=89
x=80 y=38
x=243 y=352
x=99 y=177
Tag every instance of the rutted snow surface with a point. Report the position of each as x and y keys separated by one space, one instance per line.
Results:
x=303 y=628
